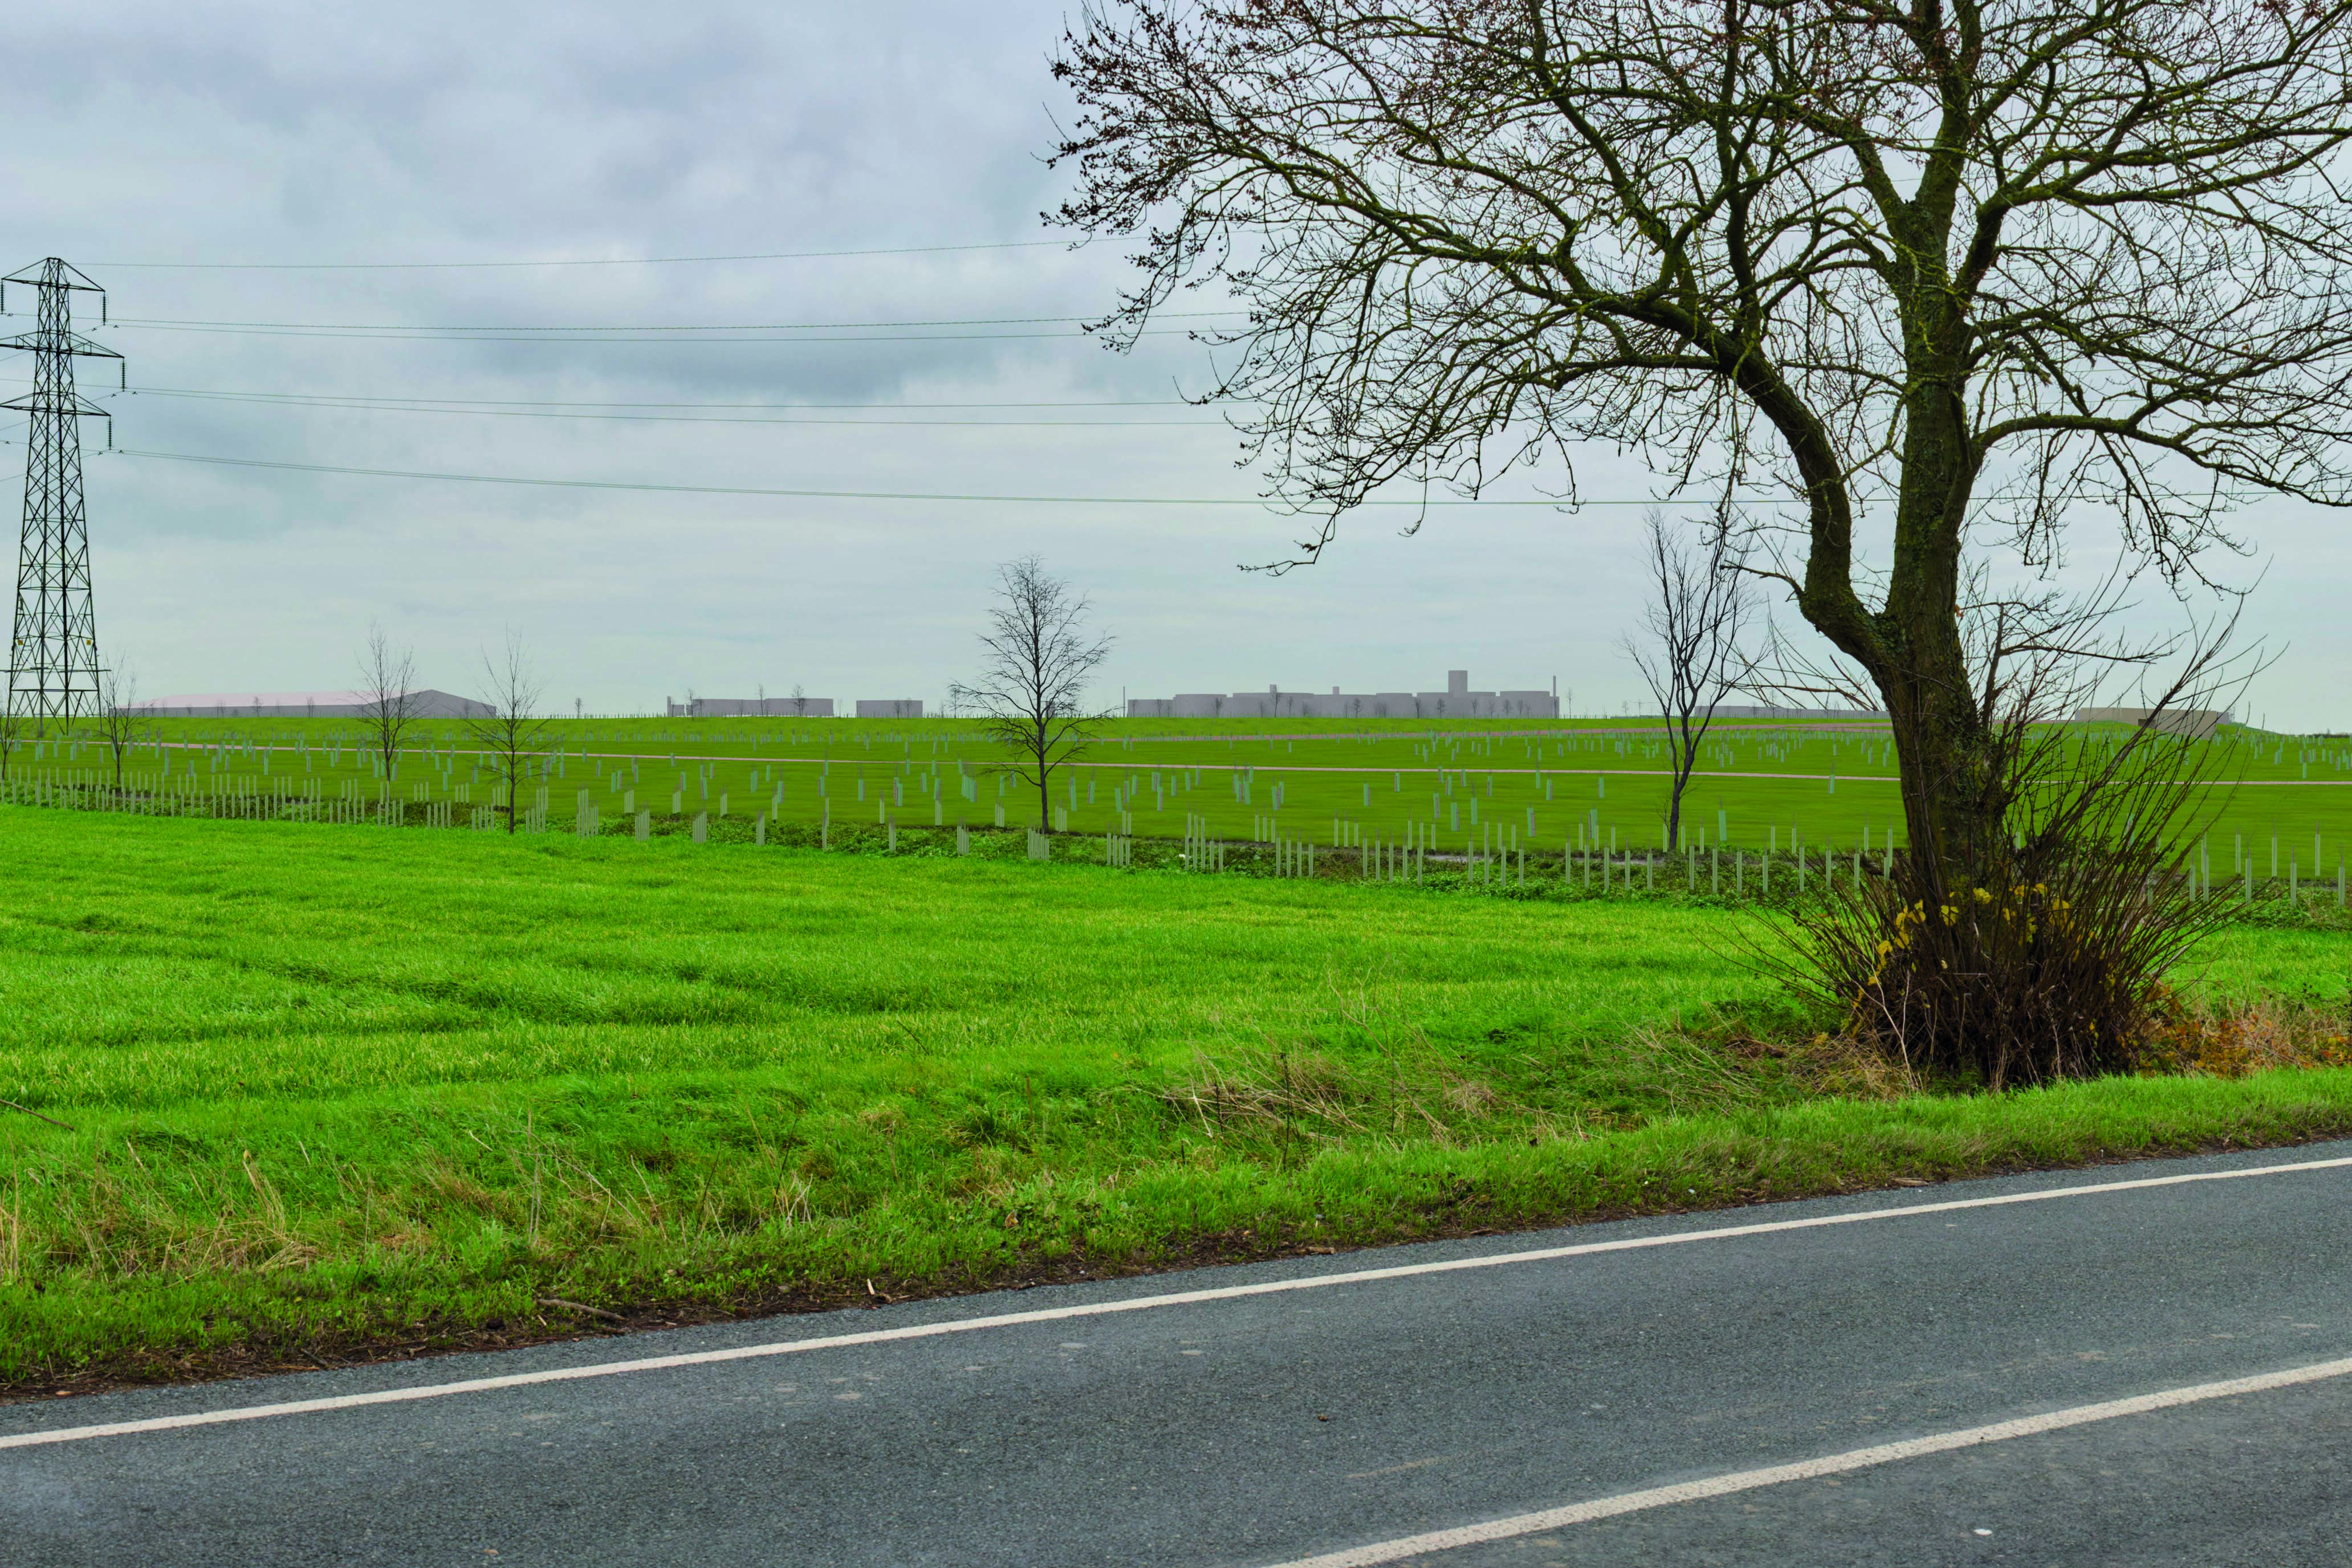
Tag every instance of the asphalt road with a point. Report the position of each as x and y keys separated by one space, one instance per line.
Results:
x=1272 y=1427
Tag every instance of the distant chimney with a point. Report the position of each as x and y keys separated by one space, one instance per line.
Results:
x=1458 y=683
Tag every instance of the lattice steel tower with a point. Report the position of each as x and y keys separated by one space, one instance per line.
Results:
x=53 y=668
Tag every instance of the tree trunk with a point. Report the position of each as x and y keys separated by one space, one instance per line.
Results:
x=1953 y=798
x=1944 y=762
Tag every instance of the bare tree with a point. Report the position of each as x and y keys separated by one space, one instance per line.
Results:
x=800 y=701
x=120 y=723
x=1966 y=262
x=1032 y=688
x=1691 y=647
x=389 y=700
x=511 y=738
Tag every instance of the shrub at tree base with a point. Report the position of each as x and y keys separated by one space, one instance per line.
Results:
x=2054 y=971
x=2048 y=961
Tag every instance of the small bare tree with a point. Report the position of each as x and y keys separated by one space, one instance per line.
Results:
x=511 y=736
x=1031 y=692
x=1690 y=647
x=120 y=723
x=800 y=701
x=389 y=700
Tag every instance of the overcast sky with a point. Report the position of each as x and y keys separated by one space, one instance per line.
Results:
x=144 y=133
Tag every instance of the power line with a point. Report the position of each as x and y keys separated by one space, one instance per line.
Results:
x=1426 y=503
x=430 y=335
x=568 y=261
x=610 y=327
x=337 y=398
x=274 y=400
x=840 y=494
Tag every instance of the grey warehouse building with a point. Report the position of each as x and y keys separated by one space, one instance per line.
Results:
x=1814 y=715
x=789 y=707
x=1456 y=701
x=750 y=708
x=425 y=703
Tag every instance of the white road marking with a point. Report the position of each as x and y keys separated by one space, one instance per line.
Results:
x=1107 y=1308
x=1549 y=1518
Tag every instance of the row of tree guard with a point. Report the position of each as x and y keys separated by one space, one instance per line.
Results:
x=1500 y=859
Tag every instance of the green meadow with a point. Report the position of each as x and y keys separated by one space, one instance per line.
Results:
x=280 y=1092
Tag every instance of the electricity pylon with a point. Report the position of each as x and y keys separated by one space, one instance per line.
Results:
x=53 y=668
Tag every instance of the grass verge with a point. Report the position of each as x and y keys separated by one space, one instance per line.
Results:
x=473 y=1241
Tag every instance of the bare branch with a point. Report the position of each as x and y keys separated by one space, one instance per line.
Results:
x=120 y=723
x=1691 y=647
x=389 y=700
x=511 y=738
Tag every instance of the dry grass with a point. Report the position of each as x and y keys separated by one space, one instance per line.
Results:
x=1268 y=1088
x=1396 y=1084
x=2205 y=1037
x=2231 y=1037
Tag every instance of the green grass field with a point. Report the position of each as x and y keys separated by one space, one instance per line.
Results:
x=1449 y=785
x=331 y=1088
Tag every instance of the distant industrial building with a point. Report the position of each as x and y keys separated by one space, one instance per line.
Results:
x=424 y=703
x=1456 y=701
x=1815 y=715
x=789 y=707
x=2190 y=721
x=750 y=708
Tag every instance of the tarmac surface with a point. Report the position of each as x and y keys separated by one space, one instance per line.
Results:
x=1263 y=1418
